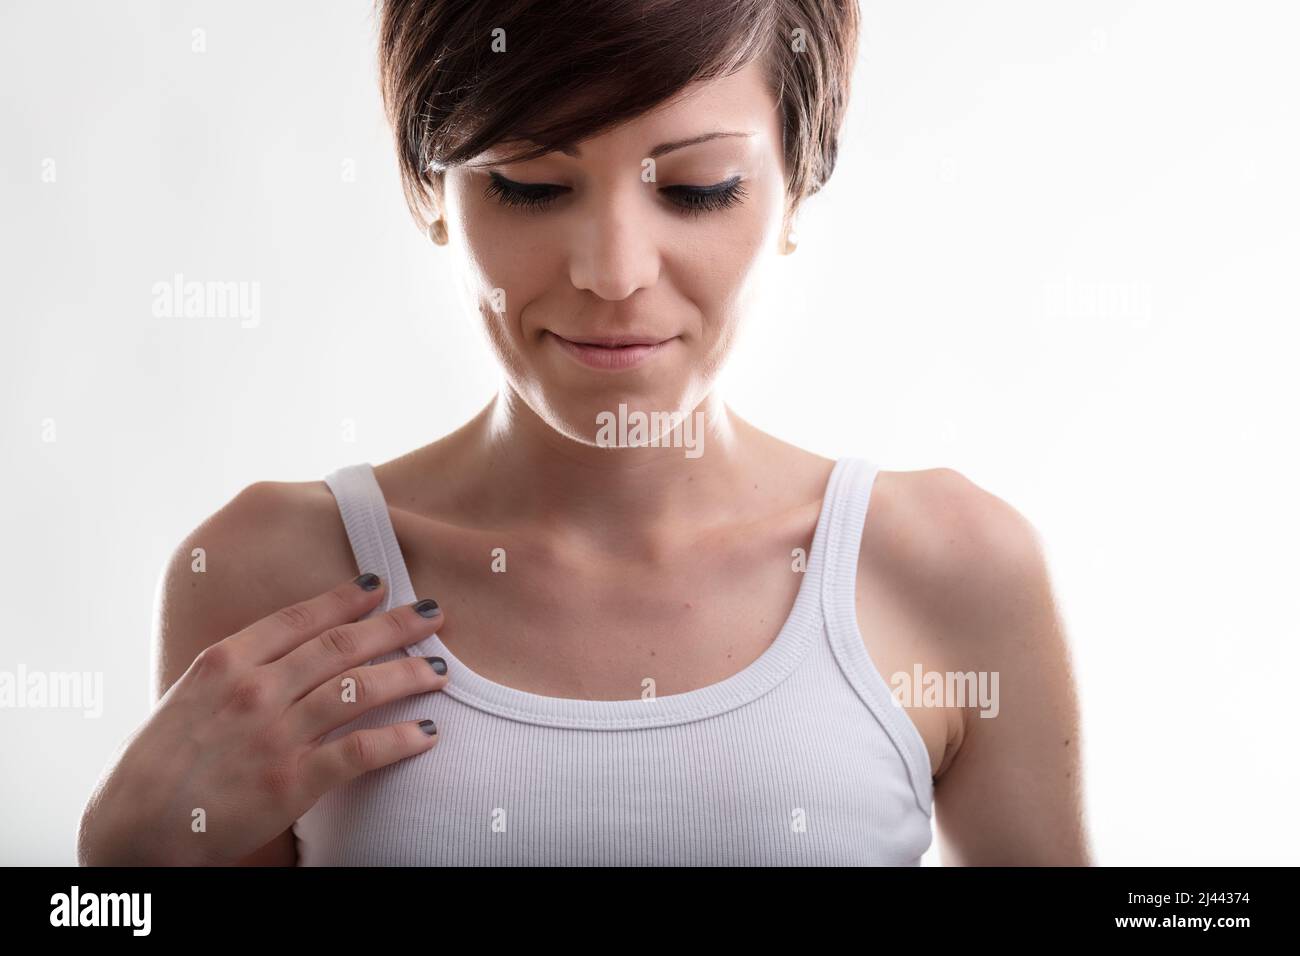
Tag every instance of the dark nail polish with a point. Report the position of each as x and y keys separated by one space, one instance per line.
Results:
x=426 y=608
x=428 y=727
x=367 y=581
x=438 y=664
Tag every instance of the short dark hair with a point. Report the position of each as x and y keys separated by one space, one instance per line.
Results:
x=574 y=68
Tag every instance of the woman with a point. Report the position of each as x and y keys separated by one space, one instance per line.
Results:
x=673 y=650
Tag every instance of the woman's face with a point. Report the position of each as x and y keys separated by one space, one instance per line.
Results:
x=636 y=239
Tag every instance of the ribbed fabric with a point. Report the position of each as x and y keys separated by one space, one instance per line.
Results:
x=802 y=758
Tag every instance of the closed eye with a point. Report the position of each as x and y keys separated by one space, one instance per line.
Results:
x=529 y=195
x=691 y=200
x=697 y=199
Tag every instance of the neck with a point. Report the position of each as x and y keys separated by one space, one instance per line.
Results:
x=519 y=470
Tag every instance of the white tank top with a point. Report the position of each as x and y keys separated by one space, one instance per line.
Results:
x=802 y=758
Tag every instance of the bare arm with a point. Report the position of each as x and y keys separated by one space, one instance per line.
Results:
x=1012 y=793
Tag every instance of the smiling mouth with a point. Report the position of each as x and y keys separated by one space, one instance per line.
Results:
x=613 y=353
x=619 y=342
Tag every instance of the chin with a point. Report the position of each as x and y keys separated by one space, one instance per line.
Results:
x=614 y=417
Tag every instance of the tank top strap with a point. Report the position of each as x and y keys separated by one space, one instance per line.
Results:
x=848 y=503
x=370 y=531
x=846 y=511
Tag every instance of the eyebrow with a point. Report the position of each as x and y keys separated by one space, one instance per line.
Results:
x=663 y=148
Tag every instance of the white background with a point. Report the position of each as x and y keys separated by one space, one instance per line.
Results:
x=1058 y=254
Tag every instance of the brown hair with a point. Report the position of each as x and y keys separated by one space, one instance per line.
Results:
x=575 y=68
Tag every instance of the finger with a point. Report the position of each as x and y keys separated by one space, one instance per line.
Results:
x=358 y=690
x=279 y=633
x=332 y=652
x=364 y=750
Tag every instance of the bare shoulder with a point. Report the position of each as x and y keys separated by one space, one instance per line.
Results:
x=972 y=571
x=951 y=565
x=959 y=551
x=272 y=544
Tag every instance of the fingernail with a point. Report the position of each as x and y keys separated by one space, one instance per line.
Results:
x=428 y=727
x=367 y=581
x=438 y=664
x=426 y=608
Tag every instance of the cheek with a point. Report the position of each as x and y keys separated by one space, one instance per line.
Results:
x=490 y=256
x=501 y=269
x=721 y=259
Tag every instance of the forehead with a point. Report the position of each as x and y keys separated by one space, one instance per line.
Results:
x=741 y=102
x=741 y=95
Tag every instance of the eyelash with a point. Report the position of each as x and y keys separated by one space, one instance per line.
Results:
x=690 y=200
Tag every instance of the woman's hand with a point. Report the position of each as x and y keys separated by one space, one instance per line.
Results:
x=232 y=754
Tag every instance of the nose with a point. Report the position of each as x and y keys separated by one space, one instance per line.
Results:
x=614 y=249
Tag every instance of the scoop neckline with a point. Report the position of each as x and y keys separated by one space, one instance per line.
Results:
x=796 y=635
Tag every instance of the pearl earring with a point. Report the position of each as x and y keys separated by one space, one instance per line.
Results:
x=438 y=231
x=791 y=240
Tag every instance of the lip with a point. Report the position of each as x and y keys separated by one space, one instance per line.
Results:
x=613 y=353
